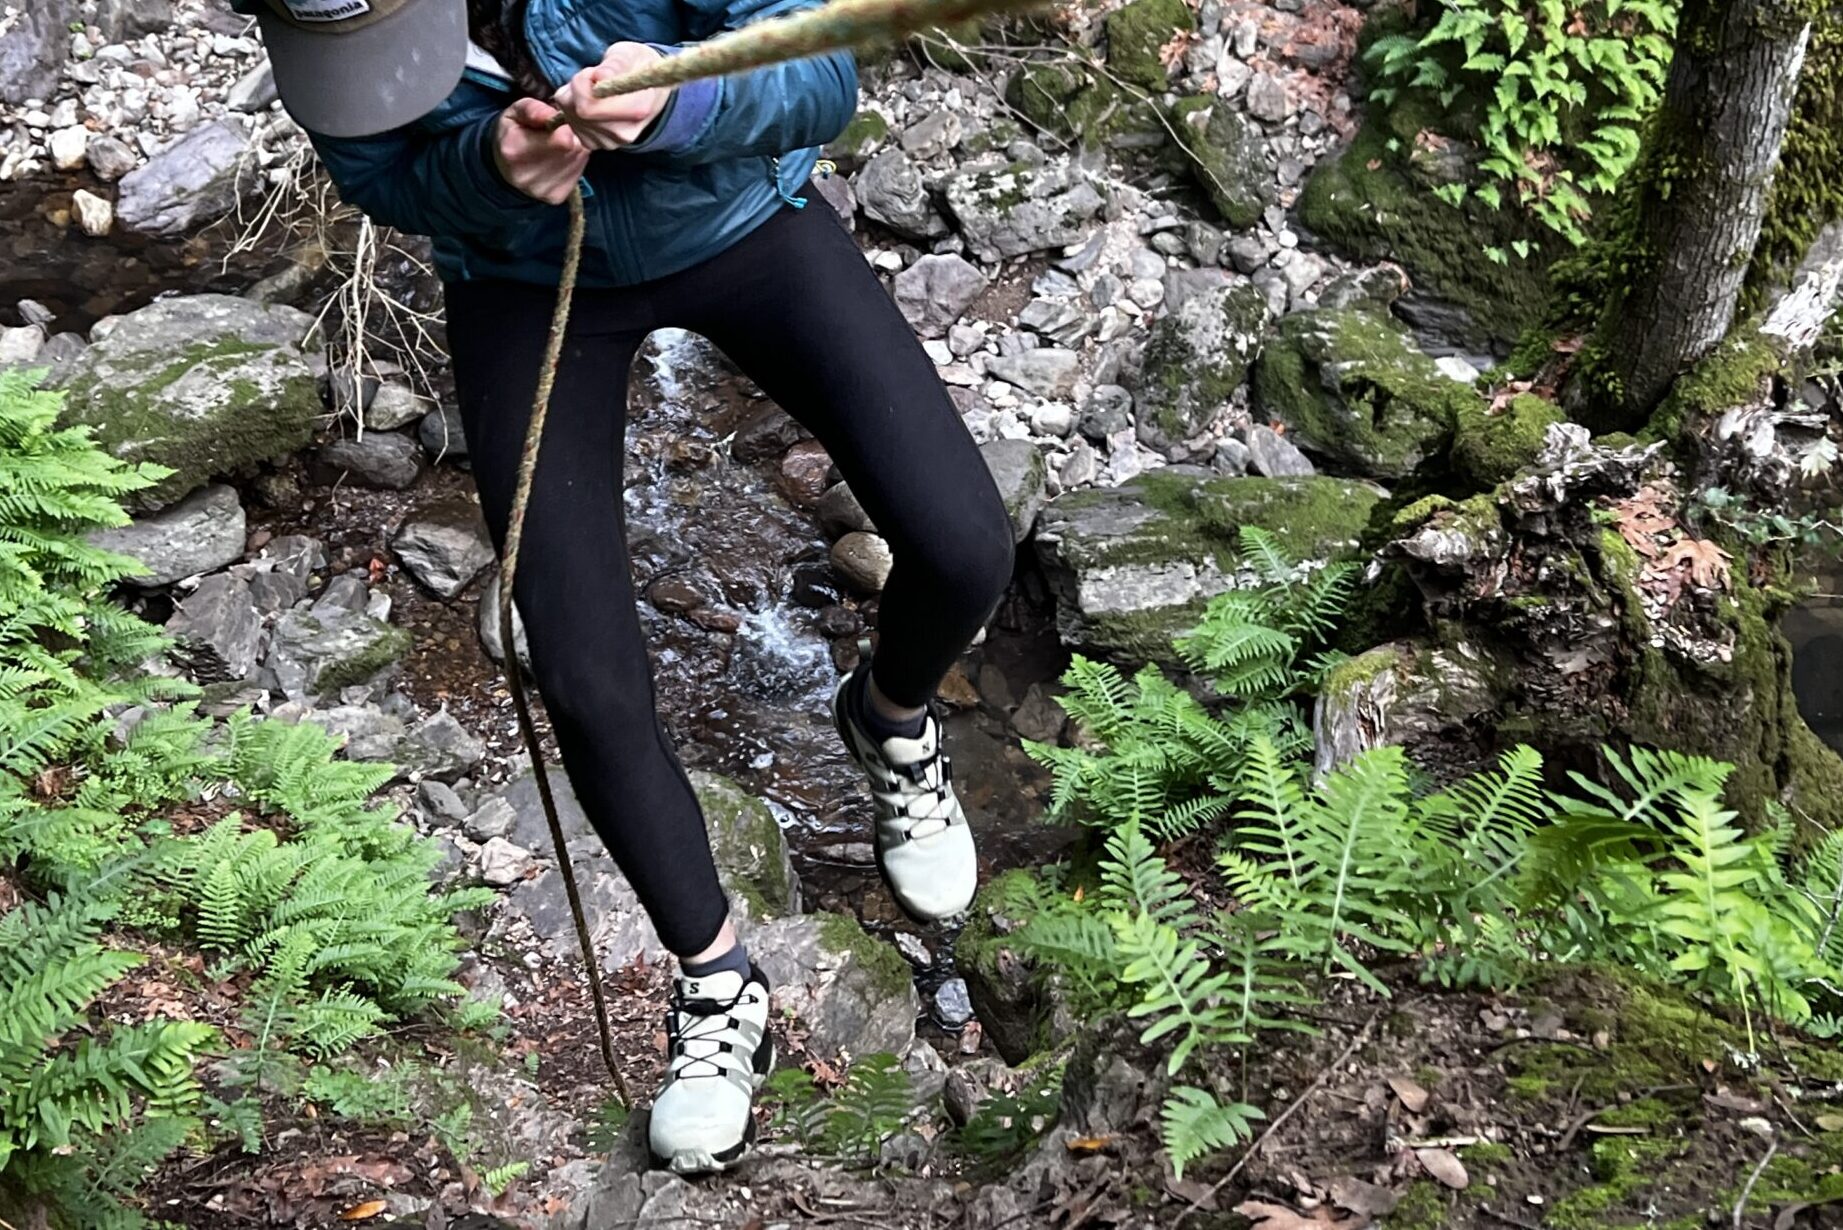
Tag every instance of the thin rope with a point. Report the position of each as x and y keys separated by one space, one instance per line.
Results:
x=837 y=26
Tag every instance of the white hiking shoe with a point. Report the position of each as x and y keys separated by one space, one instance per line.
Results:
x=720 y=1053
x=924 y=845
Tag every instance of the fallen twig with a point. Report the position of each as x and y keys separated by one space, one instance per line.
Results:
x=1740 y=1206
x=1280 y=1119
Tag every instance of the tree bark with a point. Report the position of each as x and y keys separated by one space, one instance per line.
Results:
x=1702 y=193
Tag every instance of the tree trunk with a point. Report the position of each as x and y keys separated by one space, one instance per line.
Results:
x=1701 y=193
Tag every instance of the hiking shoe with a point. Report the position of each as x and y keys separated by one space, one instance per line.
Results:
x=719 y=1055
x=924 y=845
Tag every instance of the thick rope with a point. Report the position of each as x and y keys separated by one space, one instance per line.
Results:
x=837 y=26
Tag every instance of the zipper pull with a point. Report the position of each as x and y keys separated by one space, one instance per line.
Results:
x=774 y=176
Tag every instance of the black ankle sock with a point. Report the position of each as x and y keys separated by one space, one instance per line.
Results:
x=875 y=724
x=735 y=961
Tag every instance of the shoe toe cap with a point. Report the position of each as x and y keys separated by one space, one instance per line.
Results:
x=935 y=877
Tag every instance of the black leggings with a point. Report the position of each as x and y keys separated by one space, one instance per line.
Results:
x=796 y=307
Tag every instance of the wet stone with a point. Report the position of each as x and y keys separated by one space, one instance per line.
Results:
x=345 y=592
x=674 y=595
x=863 y=560
x=805 y=473
x=953 y=1007
x=815 y=586
x=380 y=459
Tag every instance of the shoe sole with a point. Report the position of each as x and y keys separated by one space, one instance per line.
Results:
x=876 y=847
x=689 y=1163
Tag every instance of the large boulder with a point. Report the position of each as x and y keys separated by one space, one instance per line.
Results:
x=1197 y=357
x=1082 y=104
x=1352 y=386
x=1231 y=159
x=203 y=384
x=314 y=653
x=1133 y=566
x=191 y=182
x=34 y=43
x=1013 y=209
x=745 y=840
x=201 y=533
x=851 y=992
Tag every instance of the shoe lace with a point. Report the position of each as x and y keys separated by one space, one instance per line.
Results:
x=700 y=1023
x=925 y=788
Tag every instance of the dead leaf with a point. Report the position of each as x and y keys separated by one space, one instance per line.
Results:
x=1568 y=345
x=1410 y=1092
x=364 y=1212
x=1278 y=1217
x=1374 y=164
x=972 y=1037
x=1829 y=1123
x=1091 y=1144
x=1444 y=1165
x=1721 y=1099
x=1707 y=563
x=1364 y=1199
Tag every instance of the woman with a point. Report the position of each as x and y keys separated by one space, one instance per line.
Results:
x=433 y=116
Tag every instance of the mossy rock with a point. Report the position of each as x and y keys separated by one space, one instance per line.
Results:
x=867 y=133
x=1133 y=566
x=1078 y=104
x=203 y=384
x=852 y=992
x=316 y=654
x=1229 y=157
x=1491 y=445
x=1195 y=359
x=1137 y=32
x=749 y=847
x=1367 y=203
x=1354 y=387
x=1021 y=1012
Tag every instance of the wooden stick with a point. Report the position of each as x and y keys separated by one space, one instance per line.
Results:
x=838 y=26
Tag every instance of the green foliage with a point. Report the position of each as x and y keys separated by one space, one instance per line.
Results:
x=1006 y=1124
x=83 y=1109
x=326 y=900
x=1169 y=762
x=609 y=1122
x=876 y=1101
x=1553 y=94
x=1194 y=1124
x=497 y=1179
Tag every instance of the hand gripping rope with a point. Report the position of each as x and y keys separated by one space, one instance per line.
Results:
x=838 y=26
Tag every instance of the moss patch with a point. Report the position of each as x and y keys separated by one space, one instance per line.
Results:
x=1229 y=157
x=1490 y=447
x=1355 y=388
x=1137 y=32
x=750 y=849
x=867 y=132
x=1369 y=202
x=889 y=973
x=1422 y=1207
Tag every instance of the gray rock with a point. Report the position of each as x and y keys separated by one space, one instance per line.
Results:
x=1038 y=717
x=936 y=290
x=1017 y=209
x=1048 y=371
x=1109 y=411
x=393 y=406
x=1274 y=456
x=1195 y=360
x=1247 y=253
x=445 y=547
x=33 y=50
x=1267 y=98
x=20 y=345
x=296 y=554
x=969 y=1084
x=1230 y=157
x=1204 y=242
x=1413 y=694
x=1060 y=320
x=61 y=348
x=1375 y=288
x=276 y=591
x=494 y=818
x=487 y=624
x=933 y=135
x=1232 y=457
x=218 y=630
x=891 y=191
x=442 y=435
x=367 y=733
x=380 y=459
x=201 y=533
x=850 y=991
x=315 y=654
x=201 y=384
x=348 y=591
x=863 y=560
x=121 y=20
x=439 y=747
x=438 y=800
x=953 y=1008
x=191 y=182
x=843 y=199
x=747 y=844
x=1132 y=566
x=110 y=158
x=1018 y=470
x=254 y=90
x=503 y=864
x=840 y=513
x=1183 y=285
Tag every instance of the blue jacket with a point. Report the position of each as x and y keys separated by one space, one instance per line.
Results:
x=721 y=158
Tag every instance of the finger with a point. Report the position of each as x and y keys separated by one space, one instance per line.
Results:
x=532 y=113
